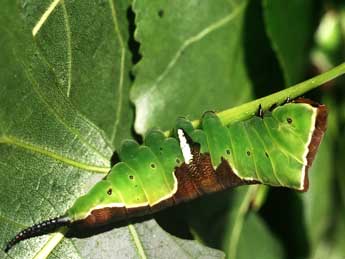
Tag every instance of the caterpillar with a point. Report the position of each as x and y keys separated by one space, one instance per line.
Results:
x=275 y=148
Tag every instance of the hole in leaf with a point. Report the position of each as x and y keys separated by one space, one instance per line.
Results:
x=289 y=120
x=131 y=177
x=152 y=165
x=110 y=191
x=248 y=153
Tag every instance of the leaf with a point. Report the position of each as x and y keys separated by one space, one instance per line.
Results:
x=51 y=151
x=193 y=66
x=158 y=244
x=214 y=225
x=257 y=239
x=46 y=149
x=290 y=26
x=85 y=43
x=333 y=245
x=230 y=224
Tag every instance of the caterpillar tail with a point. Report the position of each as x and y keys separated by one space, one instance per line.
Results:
x=39 y=229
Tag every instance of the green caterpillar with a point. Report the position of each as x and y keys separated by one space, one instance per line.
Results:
x=276 y=149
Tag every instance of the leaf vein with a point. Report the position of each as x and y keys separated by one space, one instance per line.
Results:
x=69 y=49
x=199 y=36
x=52 y=242
x=3 y=218
x=122 y=68
x=44 y=17
x=137 y=241
x=10 y=140
x=35 y=87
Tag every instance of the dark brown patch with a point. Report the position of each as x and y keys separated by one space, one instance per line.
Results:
x=186 y=188
x=202 y=172
x=131 y=177
x=320 y=128
x=200 y=177
x=101 y=217
x=152 y=165
x=228 y=178
x=307 y=101
x=139 y=211
x=163 y=204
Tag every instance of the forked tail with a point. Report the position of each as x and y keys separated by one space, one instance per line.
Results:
x=39 y=229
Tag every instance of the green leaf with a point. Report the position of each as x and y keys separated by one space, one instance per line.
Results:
x=191 y=67
x=236 y=219
x=157 y=244
x=51 y=150
x=290 y=25
x=46 y=149
x=333 y=244
x=256 y=239
x=85 y=44
x=231 y=225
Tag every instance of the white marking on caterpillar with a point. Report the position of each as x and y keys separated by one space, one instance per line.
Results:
x=306 y=148
x=186 y=151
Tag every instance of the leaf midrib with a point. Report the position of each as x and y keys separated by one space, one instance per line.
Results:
x=11 y=140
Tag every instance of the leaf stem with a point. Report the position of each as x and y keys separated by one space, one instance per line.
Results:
x=247 y=110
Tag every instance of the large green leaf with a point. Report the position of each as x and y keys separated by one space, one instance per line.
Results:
x=85 y=44
x=51 y=151
x=290 y=26
x=192 y=58
x=257 y=239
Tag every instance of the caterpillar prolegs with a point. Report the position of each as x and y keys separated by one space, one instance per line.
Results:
x=275 y=148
